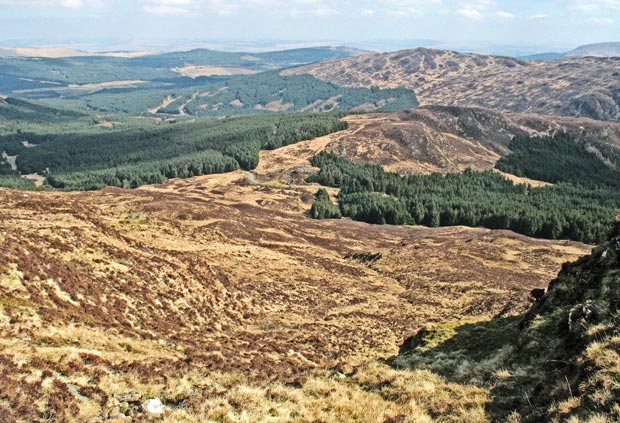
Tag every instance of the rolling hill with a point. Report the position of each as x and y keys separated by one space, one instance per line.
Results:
x=449 y=139
x=583 y=87
x=596 y=50
x=588 y=50
x=13 y=109
x=23 y=73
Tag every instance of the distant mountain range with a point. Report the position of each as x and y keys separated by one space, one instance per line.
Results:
x=588 y=50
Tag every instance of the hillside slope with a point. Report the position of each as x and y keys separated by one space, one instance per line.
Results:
x=557 y=363
x=585 y=87
x=596 y=50
x=589 y=50
x=185 y=291
x=441 y=139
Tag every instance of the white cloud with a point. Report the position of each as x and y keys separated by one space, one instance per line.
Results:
x=590 y=6
x=470 y=13
x=188 y=7
x=319 y=11
x=408 y=3
x=475 y=9
x=228 y=7
x=404 y=13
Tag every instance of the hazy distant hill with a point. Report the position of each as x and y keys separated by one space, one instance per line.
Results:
x=24 y=73
x=580 y=87
x=596 y=50
x=588 y=50
x=254 y=61
x=50 y=52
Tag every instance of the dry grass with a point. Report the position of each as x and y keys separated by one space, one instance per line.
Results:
x=501 y=83
x=222 y=298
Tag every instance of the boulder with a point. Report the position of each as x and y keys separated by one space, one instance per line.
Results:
x=153 y=407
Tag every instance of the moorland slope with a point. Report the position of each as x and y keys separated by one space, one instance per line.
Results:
x=217 y=295
x=580 y=87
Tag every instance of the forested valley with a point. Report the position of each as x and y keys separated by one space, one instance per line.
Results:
x=580 y=212
x=137 y=156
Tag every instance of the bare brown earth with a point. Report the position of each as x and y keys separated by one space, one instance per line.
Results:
x=166 y=101
x=588 y=87
x=123 y=290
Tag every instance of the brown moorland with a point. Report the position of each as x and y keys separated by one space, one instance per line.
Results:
x=218 y=295
x=430 y=139
x=578 y=87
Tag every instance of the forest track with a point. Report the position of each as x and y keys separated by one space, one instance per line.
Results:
x=165 y=103
x=182 y=107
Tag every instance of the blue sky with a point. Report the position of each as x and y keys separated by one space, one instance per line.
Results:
x=545 y=23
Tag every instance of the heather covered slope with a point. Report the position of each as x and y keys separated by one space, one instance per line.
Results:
x=580 y=87
x=178 y=290
x=559 y=362
x=447 y=139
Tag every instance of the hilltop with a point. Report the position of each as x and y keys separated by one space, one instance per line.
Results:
x=596 y=50
x=588 y=50
x=580 y=87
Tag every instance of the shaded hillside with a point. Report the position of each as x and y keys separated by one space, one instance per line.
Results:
x=557 y=363
x=587 y=87
x=13 y=109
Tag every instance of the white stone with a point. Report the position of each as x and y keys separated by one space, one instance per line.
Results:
x=153 y=406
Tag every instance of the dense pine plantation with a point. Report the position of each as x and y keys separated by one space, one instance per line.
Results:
x=323 y=208
x=562 y=211
x=253 y=94
x=267 y=92
x=562 y=159
x=136 y=156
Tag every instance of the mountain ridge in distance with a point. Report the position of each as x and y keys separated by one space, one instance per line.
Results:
x=608 y=49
